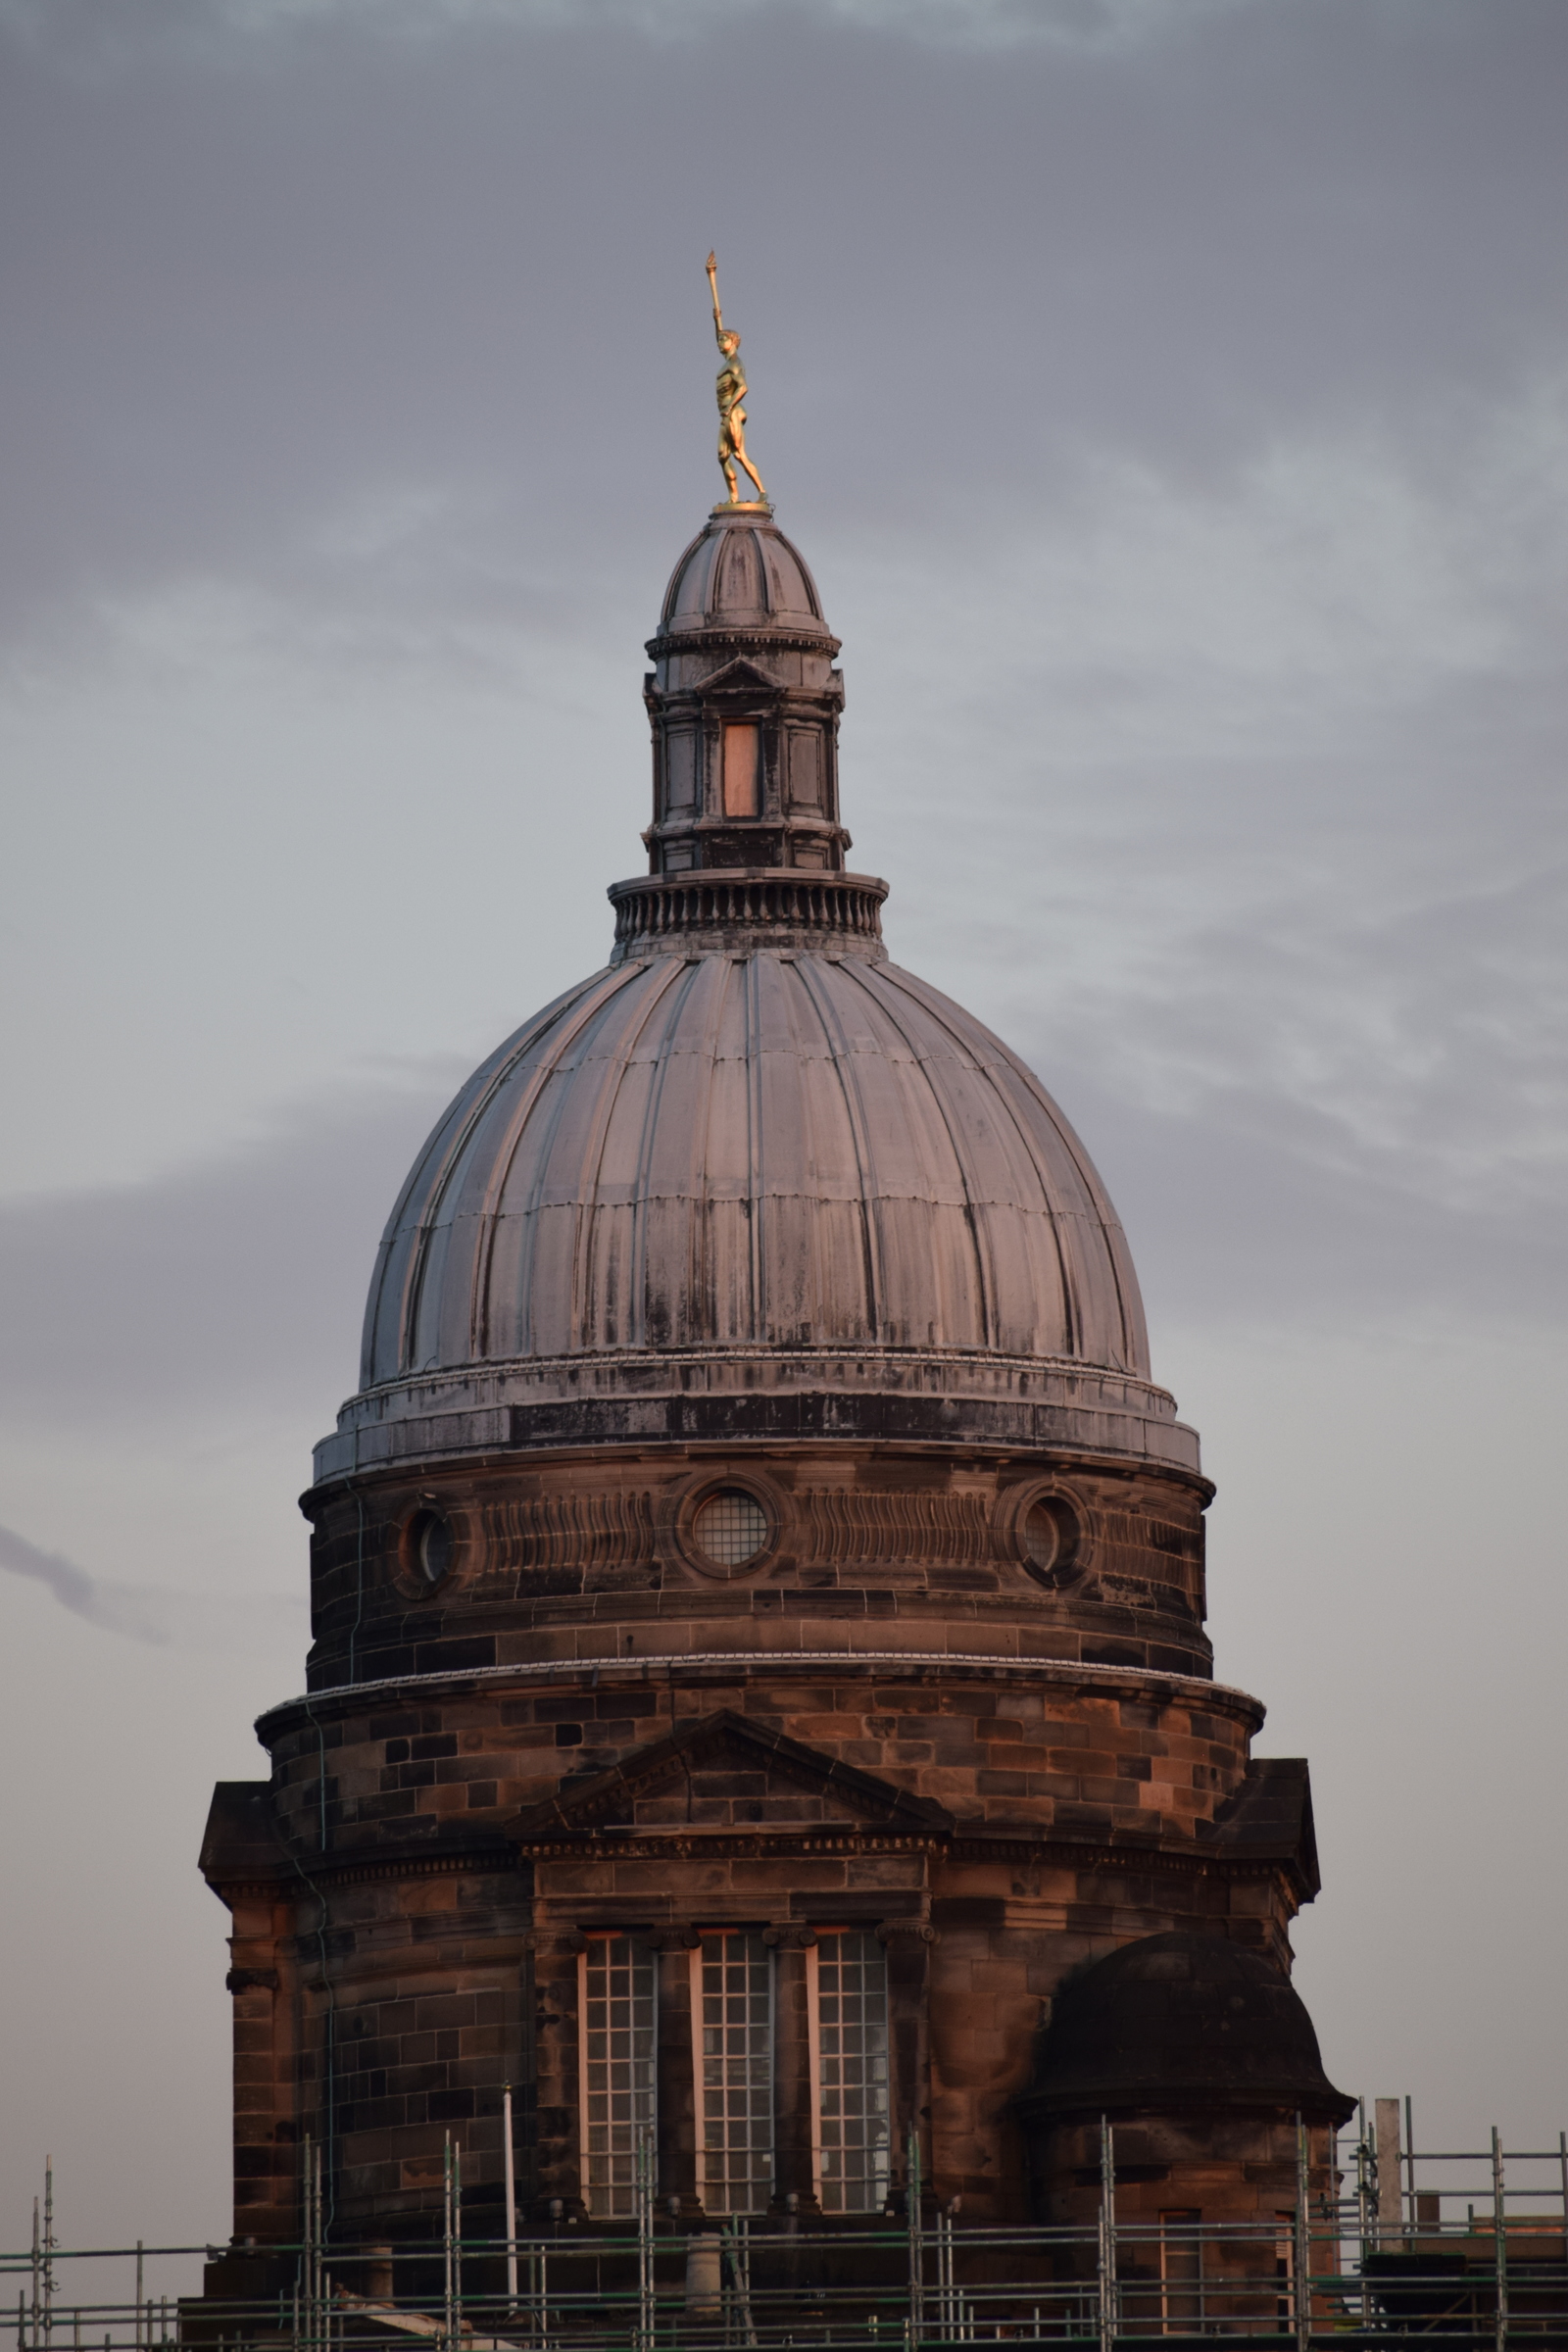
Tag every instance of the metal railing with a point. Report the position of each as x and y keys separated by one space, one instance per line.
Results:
x=1377 y=2256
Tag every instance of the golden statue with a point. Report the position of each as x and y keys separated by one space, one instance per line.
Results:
x=731 y=389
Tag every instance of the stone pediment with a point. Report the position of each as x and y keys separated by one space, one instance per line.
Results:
x=740 y=676
x=722 y=1774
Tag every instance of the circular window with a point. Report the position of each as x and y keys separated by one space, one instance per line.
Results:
x=430 y=1548
x=1048 y=1535
x=731 y=1527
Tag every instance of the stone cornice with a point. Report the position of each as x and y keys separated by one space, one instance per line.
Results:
x=784 y=905
x=1058 y=1409
x=763 y=640
x=707 y=1667
x=725 y=1845
x=1013 y=1843
x=320 y=1873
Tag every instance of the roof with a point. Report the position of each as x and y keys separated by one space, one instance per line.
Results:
x=742 y=572
x=1182 y=2022
x=757 y=1151
x=1268 y=1818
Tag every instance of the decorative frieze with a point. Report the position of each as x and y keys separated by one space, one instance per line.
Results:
x=564 y=1532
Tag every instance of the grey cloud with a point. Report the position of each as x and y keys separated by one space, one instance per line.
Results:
x=1301 y=1114
x=1270 y=858
x=1089 y=24
x=149 y=1613
x=122 y=1609
x=1245 y=1217
x=235 y=1282
x=249 y=301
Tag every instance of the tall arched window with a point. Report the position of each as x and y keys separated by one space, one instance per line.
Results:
x=732 y=1993
x=848 y=1991
x=617 y=2063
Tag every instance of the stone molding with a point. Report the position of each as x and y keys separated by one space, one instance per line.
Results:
x=768 y=638
x=1205 y=1857
x=731 y=1846
x=786 y=907
x=316 y=1873
x=704 y=1667
x=931 y=1400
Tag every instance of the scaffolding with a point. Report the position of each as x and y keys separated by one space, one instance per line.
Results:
x=1385 y=2252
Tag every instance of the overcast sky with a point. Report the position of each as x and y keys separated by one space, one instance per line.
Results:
x=1171 y=397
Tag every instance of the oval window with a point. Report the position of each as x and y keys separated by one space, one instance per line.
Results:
x=731 y=1527
x=1050 y=1536
x=430 y=1548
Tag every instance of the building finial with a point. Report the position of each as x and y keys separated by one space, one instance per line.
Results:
x=731 y=390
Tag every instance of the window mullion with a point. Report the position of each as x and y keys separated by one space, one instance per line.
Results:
x=813 y=2046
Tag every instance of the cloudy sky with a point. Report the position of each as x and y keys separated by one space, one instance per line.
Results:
x=1172 y=399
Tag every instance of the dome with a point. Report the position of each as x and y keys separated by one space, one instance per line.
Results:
x=1181 y=2020
x=742 y=573
x=757 y=1151
x=751 y=1171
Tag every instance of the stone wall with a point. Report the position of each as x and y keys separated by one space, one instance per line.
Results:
x=571 y=1559
x=997 y=1822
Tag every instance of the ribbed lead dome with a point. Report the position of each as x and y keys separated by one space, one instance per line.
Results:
x=765 y=1150
x=742 y=573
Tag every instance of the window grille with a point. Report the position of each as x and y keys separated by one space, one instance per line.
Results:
x=734 y=1989
x=617 y=2006
x=851 y=2003
x=731 y=1527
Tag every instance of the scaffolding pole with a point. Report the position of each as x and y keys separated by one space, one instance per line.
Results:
x=1107 y=2249
x=509 y=2176
x=1301 y=2301
x=1499 y=2228
x=914 y=2324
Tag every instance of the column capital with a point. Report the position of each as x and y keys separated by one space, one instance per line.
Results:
x=886 y=1929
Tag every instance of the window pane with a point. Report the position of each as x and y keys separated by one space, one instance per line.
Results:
x=851 y=1977
x=743 y=749
x=737 y=2074
x=731 y=1527
x=619 y=2071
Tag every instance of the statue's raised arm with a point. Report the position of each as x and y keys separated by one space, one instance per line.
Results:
x=731 y=391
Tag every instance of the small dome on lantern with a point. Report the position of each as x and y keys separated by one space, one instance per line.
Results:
x=741 y=569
